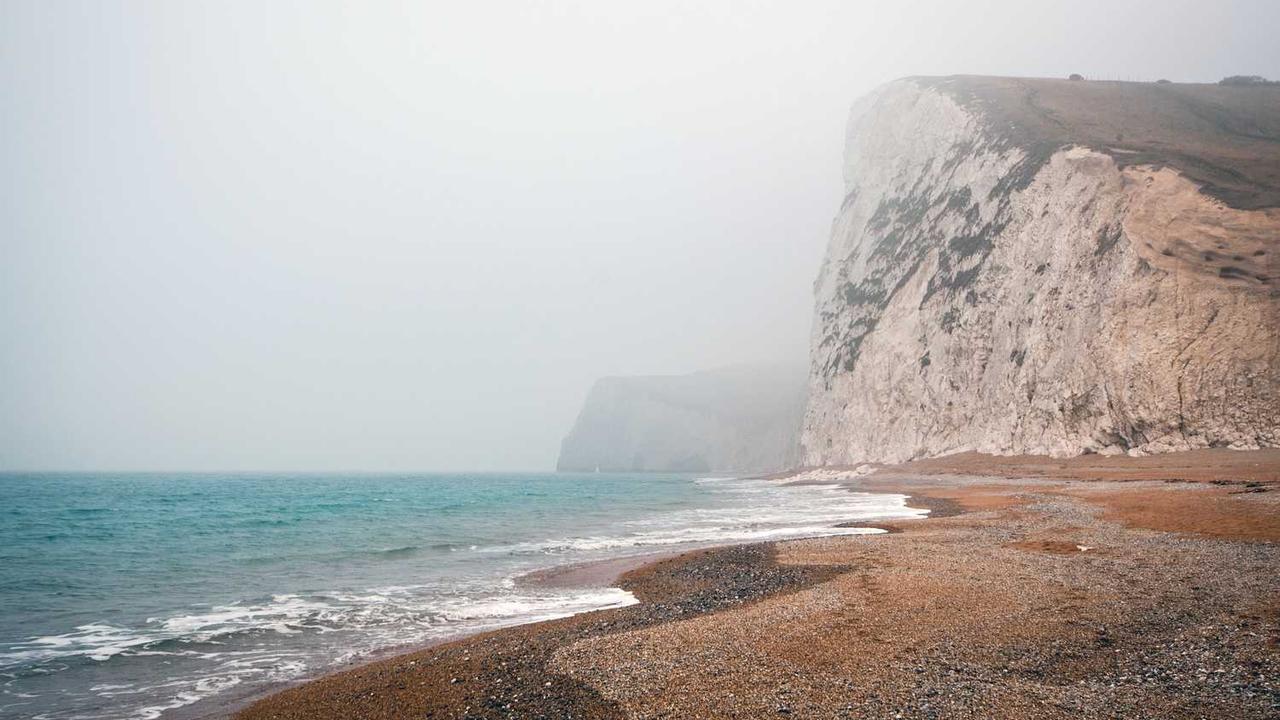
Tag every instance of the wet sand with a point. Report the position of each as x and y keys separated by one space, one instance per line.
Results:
x=1041 y=588
x=600 y=573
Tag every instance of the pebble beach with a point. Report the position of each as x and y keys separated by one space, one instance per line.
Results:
x=1035 y=589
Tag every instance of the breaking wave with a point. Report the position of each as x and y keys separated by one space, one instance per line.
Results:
x=407 y=562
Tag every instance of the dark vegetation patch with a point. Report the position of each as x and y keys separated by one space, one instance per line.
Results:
x=950 y=320
x=867 y=292
x=966 y=245
x=1024 y=171
x=853 y=347
x=964 y=278
x=905 y=226
x=961 y=200
x=1224 y=137
x=957 y=154
x=1247 y=81
x=1108 y=236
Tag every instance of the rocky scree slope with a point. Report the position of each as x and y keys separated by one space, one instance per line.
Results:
x=1050 y=267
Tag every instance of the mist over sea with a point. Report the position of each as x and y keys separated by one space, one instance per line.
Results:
x=129 y=595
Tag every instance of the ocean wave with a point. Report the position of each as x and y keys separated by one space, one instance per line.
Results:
x=397 y=552
x=378 y=618
x=692 y=536
x=414 y=609
x=449 y=580
x=766 y=511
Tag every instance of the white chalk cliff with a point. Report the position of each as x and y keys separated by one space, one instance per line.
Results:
x=737 y=419
x=1050 y=267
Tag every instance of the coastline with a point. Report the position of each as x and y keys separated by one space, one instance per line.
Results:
x=465 y=673
x=590 y=574
x=1046 y=595
x=603 y=573
x=813 y=510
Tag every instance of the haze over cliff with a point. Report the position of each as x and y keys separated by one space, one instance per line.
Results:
x=1048 y=266
x=739 y=419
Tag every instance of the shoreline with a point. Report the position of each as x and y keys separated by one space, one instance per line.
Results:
x=593 y=573
x=590 y=574
x=582 y=575
x=725 y=576
x=585 y=575
x=1027 y=532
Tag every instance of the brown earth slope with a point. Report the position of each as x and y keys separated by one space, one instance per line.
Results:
x=1226 y=138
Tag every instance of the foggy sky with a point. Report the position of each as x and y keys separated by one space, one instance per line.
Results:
x=315 y=236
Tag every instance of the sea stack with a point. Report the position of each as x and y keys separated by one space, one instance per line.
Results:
x=1050 y=267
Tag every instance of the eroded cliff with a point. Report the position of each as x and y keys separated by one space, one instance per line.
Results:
x=1050 y=267
x=741 y=419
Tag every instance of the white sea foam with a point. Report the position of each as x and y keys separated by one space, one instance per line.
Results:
x=764 y=511
x=692 y=536
x=233 y=644
x=761 y=511
x=386 y=616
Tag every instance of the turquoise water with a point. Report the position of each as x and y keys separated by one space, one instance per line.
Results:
x=157 y=595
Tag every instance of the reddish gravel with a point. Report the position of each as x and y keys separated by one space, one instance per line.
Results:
x=990 y=609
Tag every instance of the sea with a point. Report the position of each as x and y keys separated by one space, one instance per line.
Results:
x=158 y=595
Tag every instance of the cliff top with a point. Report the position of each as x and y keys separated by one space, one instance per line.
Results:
x=1225 y=138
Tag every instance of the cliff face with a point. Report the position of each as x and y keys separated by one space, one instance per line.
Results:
x=1050 y=267
x=742 y=419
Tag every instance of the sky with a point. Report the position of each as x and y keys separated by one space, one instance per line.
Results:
x=383 y=236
